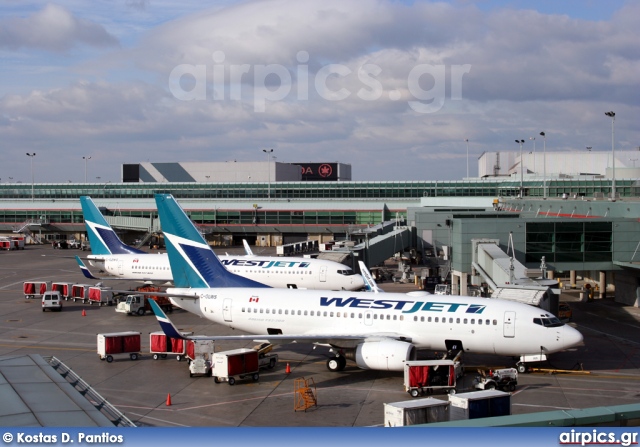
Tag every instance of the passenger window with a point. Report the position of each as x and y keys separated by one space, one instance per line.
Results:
x=436 y=319
x=479 y=320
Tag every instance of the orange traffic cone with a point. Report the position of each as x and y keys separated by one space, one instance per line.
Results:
x=169 y=400
x=287 y=370
x=84 y=314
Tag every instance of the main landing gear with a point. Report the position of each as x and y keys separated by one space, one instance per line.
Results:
x=337 y=363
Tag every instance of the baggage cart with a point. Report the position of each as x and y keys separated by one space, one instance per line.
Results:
x=63 y=287
x=80 y=292
x=426 y=376
x=119 y=343
x=419 y=411
x=160 y=345
x=235 y=364
x=102 y=296
x=35 y=289
x=479 y=404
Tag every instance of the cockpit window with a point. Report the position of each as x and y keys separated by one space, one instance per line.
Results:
x=548 y=320
x=346 y=272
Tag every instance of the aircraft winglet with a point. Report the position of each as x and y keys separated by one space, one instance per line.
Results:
x=83 y=268
x=165 y=323
x=247 y=248
x=369 y=282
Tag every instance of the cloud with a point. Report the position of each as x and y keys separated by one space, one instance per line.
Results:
x=52 y=29
x=527 y=72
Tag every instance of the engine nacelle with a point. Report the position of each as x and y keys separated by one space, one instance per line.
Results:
x=384 y=355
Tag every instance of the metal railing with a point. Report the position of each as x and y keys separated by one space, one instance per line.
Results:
x=114 y=415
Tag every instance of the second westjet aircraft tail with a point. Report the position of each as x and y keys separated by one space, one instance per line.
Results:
x=104 y=241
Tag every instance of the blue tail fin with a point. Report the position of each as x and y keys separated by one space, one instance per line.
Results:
x=193 y=263
x=104 y=241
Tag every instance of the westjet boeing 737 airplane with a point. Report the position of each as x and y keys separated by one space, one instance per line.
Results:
x=377 y=331
x=110 y=254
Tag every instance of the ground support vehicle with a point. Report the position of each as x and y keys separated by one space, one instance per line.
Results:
x=139 y=304
x=199 y=355
x=119 y=343
x=52 y=300
x=35 y=289
x=64 y=288
x=266 y=359
x=80 y=292
x=6 y=244
x=426 y=376
x=499 y=379
x=160 y=345
x=102 y=296
x=235 y=364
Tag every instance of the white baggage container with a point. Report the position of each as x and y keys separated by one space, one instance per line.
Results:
x=420 y=411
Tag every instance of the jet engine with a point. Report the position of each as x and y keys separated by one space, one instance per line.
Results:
x=385 y=355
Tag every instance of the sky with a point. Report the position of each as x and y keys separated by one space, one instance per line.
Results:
x=394 y=88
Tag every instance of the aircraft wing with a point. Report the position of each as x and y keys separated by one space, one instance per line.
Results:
x=343 y=341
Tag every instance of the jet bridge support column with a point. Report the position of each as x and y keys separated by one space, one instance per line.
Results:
x=572 y=278
x=602 y=285
x=459 y=283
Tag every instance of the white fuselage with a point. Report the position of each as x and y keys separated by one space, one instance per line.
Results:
x=482 y=325
x=285 y=272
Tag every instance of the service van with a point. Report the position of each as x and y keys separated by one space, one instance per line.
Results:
x=52 y=300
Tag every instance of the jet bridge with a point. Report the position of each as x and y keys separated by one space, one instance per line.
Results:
x=510 y=280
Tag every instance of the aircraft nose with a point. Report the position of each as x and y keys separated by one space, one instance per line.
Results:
x=571 y=337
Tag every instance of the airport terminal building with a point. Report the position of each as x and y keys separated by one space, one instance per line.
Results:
x=573 y=221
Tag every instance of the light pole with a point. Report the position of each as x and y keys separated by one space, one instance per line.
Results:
x=268 y=152
x=467 y=141
x=521 y=142
x=634 y=161
x=534 y=155
x=85 y=167
x=31 y=157
x=589 y=148
x=544 y=165
x=612 y=115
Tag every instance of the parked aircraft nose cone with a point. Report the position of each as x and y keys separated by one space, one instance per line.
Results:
x=571 y=337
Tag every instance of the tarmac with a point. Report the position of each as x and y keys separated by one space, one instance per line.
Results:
x=604 y=371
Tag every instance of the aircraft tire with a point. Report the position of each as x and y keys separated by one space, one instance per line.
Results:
x=232 y=381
